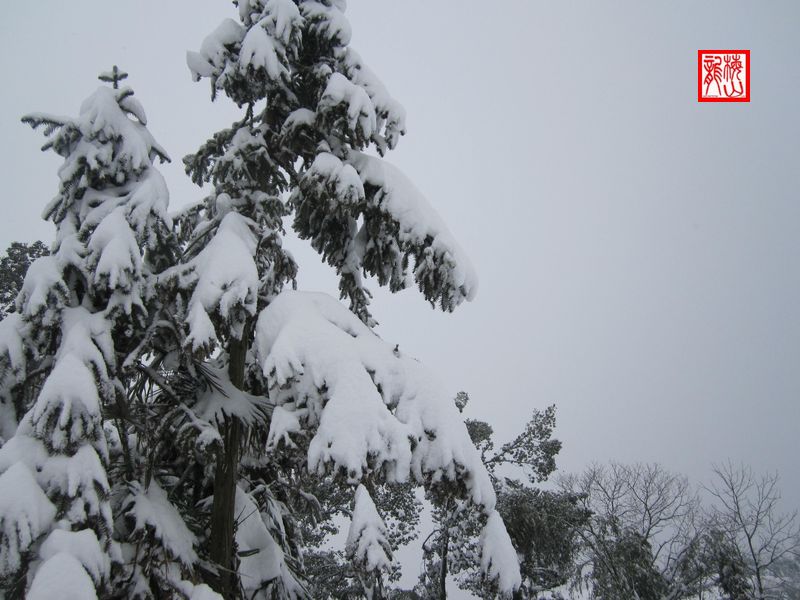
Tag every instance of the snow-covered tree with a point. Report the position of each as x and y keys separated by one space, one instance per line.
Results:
x=340 y=401
x=64 y=354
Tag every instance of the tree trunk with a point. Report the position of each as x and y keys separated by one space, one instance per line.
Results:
x=443 y=551
x=221 y=538
x=443 y=573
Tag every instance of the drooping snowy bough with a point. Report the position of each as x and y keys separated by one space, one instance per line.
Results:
x=370 y=410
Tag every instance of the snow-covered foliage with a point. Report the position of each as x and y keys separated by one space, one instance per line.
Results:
x=325 y=108
x=166 y=402
x=62 y=353
x=263 y=567
x=371 y=408
x=497 y=553
x=151 y=509
x=342 y=400
x=368 y=409
x=367 y=547
x=25 y=514
x=62 y=576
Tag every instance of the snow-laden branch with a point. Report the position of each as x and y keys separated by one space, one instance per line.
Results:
x=370 y=409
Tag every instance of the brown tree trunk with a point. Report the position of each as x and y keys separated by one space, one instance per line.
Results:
x=443 y=551
x=221 y=538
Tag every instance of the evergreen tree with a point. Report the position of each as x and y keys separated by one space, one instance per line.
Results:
x=65 y=354
x=310 y=109
x=542 y=526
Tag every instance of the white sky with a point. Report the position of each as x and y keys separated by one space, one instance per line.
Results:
x=638 y=251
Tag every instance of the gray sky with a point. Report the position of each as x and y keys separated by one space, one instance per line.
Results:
x=637 y=250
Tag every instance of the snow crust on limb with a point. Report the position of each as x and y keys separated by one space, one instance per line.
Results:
x=327 y=20
x=152 y=508
x=366 y=543
x=391 y=116
x=103 y=118
x=114 y=255
x=285 y=421
x=419 y=225
x=337 y=177
x=84 y=546
x=498 y=557
x=223 y=399
x=25 y=514
x=210 y=61
x=224 y=279
x=69 y=400
x=376 y=400
x=12 y=342
x=62 y=576
x=259 y=51
x=13 y=364
x=231 y=50
x=364 y=216
x=42 y=290
x=357 y=103
x=275 y=30
x=267 y=565
x=197 y=592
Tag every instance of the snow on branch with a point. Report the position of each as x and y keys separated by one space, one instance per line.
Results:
x=224 y=281
x=442 y=270
x=62 y=576
x=327 y=21
x=262 y=561
x=363 y=214
x=25 y=514
x=367 y=545
x=391 y=114
x=84 y=546
x=211 y=59
x=370 y=409
x=373 y=408
x=151 y=508
x=221 y=399
x=355 y=102
x=498 y=556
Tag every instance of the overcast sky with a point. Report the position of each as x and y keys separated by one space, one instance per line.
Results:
x=638 y=251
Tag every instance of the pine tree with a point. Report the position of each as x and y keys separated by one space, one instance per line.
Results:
x=311 y=109
x=541 y=543
x=64 y=355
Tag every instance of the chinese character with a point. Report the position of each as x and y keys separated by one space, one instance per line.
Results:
x=713 y=73
x=732 y=75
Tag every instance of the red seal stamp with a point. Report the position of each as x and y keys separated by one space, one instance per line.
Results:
x=723 y=75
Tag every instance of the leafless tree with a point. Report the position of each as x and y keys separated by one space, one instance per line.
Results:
x=648 y=506
x=748 y=510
